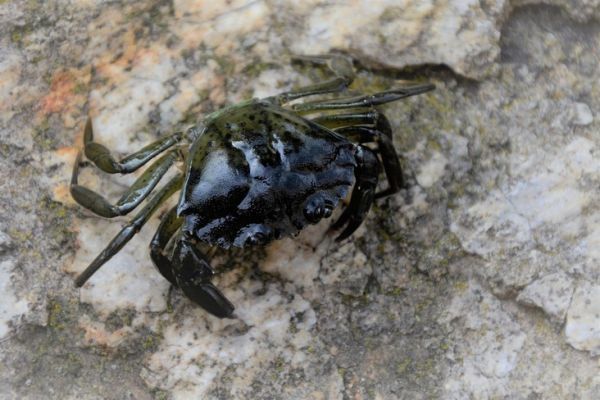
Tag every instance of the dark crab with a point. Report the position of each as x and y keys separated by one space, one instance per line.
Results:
x=254 y=172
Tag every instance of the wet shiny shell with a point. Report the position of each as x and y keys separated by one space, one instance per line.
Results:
x=258 y=172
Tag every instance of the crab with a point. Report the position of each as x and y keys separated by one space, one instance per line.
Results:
x=252 y=173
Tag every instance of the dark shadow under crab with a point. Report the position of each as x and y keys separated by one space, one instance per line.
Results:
x=254 y=172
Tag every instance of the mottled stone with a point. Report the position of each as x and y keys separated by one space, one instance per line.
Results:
x=583 y=319
x=432 y=170
x=581 y=10
x=552 y=293
x=128 y=280
x=489 y=350
x=347 y=270
x=406 y=32
x=11 y=306
x=5 y=241
x=582 y=114
x=198 y=351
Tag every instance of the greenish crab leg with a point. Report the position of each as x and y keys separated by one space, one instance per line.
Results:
x=169 y=224
x=339 y=120
x=101 y=156
x=364 y=101
x=340 y=65
x=131 y=228
x=380 y=130
x=140 y=189
x=385 y=147
x=366 y=172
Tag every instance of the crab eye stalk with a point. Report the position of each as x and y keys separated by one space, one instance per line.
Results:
x=256 y=239
x=254 y=235
x=317 y=208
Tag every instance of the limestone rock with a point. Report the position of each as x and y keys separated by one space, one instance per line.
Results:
x=406 y=32
x=11 y=306
x=583 y=319
x=582 y=114
x=552 y=293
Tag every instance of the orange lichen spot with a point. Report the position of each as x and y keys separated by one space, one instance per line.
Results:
x=67 y=153
x=97 y=334
x=131 y=58
x=147 y=57
x=61 y=89
x=68 y=88
x=62 y=194
x=217 y=94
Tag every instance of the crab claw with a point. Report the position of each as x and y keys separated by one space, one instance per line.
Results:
x=192 y=273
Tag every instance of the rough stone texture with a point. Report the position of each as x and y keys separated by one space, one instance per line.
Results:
x=552 y=293
x=583 y=320
x=438 y=295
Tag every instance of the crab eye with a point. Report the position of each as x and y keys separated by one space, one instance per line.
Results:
x=256 y=239
x=317 y=208
x=254 y=235
x=313 y=214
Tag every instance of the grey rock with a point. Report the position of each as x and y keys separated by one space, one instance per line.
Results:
x=12 y=307
x=583 y=319
x=552 y=293
x=582 y=114
x=5 y=242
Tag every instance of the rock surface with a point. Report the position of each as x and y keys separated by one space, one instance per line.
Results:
x=552 y=293
x=583 y=320
x=482 y=280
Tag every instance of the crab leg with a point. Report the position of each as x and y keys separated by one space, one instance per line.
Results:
x=357 y=118
x=140 y=189
x=101 y=156
x=131 y=228
x=364 y=101
x=385 y=147
x=366 y=173
x=340 y=65
x=169 y=224
x=381 y=131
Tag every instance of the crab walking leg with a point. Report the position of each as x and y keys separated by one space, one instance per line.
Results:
x=102 y=158
x=366 y=172
x=364 y=101
x=385 y=147
x=140 y=189
x=169 y=224
x=340 y=65
x=192 y=273
x=356 y=118
x=341 y=123
x=372 y=118
x=131 y=228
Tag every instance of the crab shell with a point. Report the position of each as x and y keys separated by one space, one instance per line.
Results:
x=258 y=172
